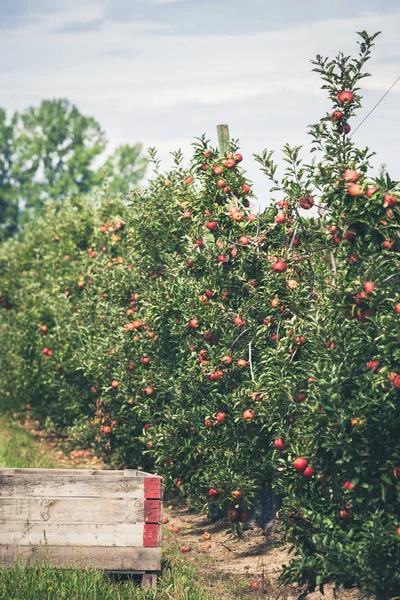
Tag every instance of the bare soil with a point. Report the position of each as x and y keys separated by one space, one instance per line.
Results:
x=253 y=556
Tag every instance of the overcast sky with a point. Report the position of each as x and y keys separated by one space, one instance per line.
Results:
x=164 y=71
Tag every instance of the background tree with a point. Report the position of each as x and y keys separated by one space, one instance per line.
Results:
x=125 y=168
x=52 y=152
x=8 y=199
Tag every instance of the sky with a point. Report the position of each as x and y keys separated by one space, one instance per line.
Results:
x=162 y=72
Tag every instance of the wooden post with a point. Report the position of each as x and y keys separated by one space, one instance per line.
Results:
x=149 y=580
x=223 y=138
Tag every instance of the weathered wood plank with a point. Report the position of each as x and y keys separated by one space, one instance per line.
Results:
x=69 y=534
x=112 y=559
x=89 y=472
x=149 y=580
x=71 y=486
x=79 y=510
x=223 y=138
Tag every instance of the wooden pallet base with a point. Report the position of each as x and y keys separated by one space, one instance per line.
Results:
x=149 y=580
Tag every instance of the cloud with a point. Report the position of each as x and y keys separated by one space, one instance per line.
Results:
x=165 y=88
x=169 y=1
x=80 y=26
x=14 y=13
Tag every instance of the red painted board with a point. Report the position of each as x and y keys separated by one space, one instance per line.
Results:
x=152 y=488
x=150 y=535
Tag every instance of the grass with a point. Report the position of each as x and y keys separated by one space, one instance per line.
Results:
x=183 y=577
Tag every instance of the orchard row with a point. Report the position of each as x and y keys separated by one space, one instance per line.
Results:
x=230 y=351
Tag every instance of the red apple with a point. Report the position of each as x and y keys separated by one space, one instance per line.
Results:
x=349 y=235
x=389 y=201
x=230 y=163
x=220 y=417
x=211 y=225
x=279 y=266
x=348 y=485
x=226 y=360
x=213 y=492
x=238 y=157
x=233 y=514
x=336 y=115
x=345 y=128
x=280 y=217
x=236 y=216
x=373 y=364
x=306 y=202
x=369 y=286
x=218 y=170
x=194 y=323
x=248 y=415
x=237 y=495
x=351 y=175
x=355 y=190
x=254 y=585
x=345 y=97
x=244 y=240
x=246 y=189
x=300 y=464
x=145 y=360
x=371 y=190
x=238 y=321
x=279 y=443
x=389 y=244
x=308 y=472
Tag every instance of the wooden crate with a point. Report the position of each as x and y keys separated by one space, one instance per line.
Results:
x=72 y=518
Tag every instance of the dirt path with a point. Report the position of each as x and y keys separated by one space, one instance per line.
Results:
x=253 y=556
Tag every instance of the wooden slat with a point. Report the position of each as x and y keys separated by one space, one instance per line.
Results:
x=69 y=534
x=152 y=488
x=152 y=511
x=113 y=559
x=55 y=486
x=79 y=510
x=151 y=537
x=88 y=472
x=91 y=472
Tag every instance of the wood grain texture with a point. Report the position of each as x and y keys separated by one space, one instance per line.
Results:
x=56 y=486
x=79 y=510
x=72 y=534
x=89 y=472
x=112 y=559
